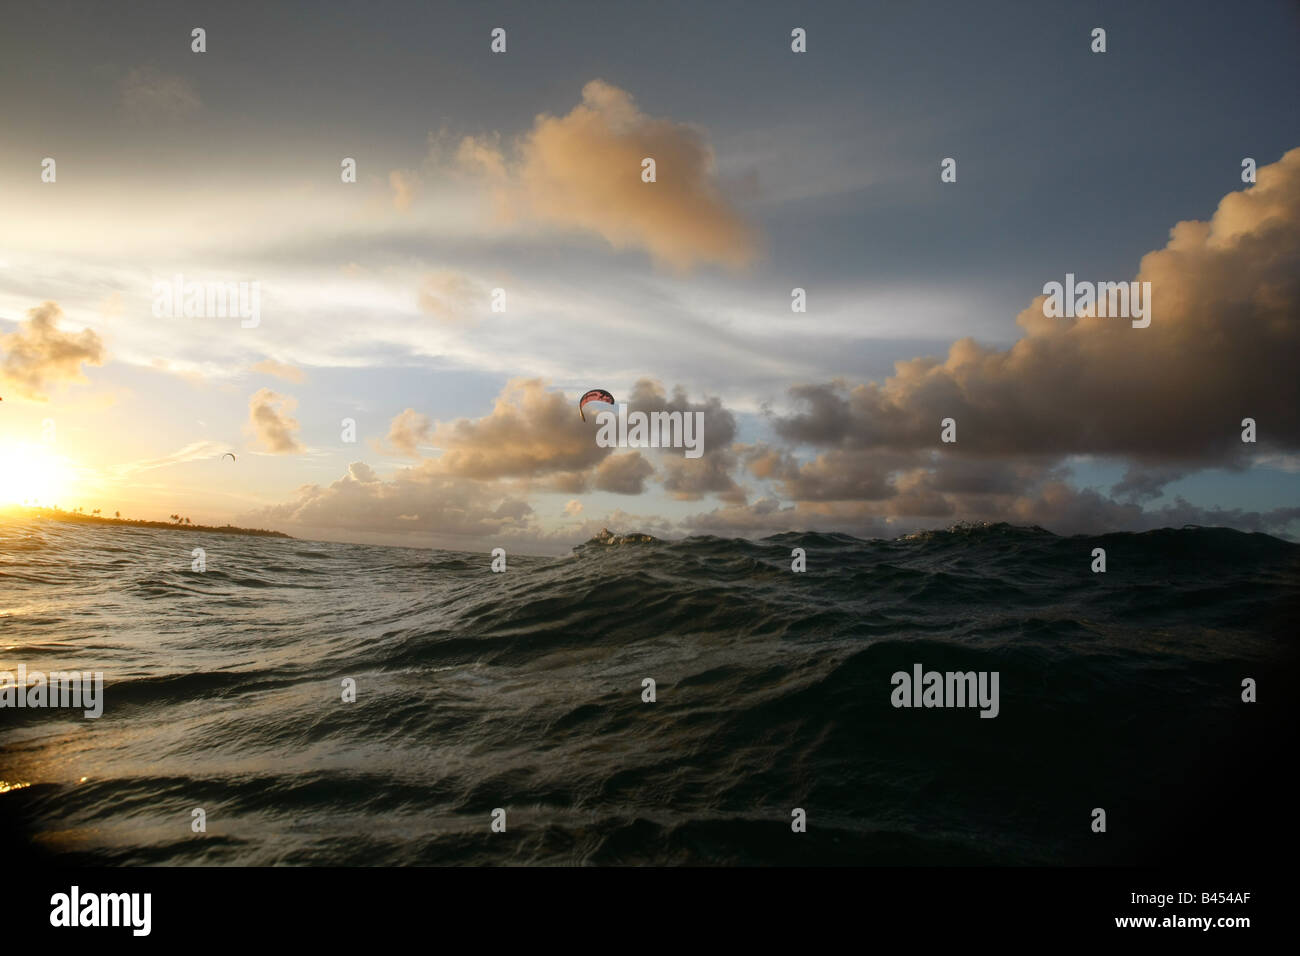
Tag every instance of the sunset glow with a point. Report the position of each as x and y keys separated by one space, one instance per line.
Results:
x=33 y=475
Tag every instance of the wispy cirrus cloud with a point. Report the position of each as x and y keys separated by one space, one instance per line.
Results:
x=195 y=451
x=290 y=373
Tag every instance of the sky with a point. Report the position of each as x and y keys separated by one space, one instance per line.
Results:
x=500 y=253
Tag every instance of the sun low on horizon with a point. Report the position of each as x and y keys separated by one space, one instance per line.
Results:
x=34 y=475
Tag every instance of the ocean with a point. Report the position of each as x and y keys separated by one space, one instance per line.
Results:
x=519 y=698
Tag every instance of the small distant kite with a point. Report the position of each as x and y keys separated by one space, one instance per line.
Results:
x=595 y=395
x=231 y=454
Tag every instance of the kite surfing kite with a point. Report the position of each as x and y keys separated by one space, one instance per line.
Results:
x=595 y=395
x=231 y=454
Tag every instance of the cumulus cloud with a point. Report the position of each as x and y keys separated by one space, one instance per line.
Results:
x=1068 y=510
x=848 y=491
x=270 y=422
x=38 y=355
x=408 y=431
x=534 y=433
x=623 y=474
x=1056 y=506
x=583 y=171
x=530 y=432
x=150 y=94
x=415 y=499
x=769 y=516
x=422 y=504
x=831 y=476
x=1221 y=346
x=289 y=373
x=361 y=472
x=689 y=479
x=1167 y=399
x=533 y=439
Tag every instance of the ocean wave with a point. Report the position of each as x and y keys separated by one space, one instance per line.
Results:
x=526 y=690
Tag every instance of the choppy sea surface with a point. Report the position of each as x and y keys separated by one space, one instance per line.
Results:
x=523 y=691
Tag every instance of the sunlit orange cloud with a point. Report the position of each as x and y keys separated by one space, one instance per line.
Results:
x=40 y=354
x=584 y=171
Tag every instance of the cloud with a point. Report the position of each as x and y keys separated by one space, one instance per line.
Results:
x=195 y=451
x=408 y=431
x=414 y=499
x=583 y=171
x=1056 y=506
x=112 y=305
x=1140 y=484
x=1165 y=401
x=623 y=474
x=1221 y=346
x=534 y=433
x=268 y=419
x=850 y=490
x=689 y=479
x=447 y=295
x=38 y=355
x=361 y=472
x=421 y=504
x=289 y=373
x=831 y=476
x=1067 y=510
x=530 y=432
x=474 y=488
x=767 y=516
x=149 y=94
x=405 y=184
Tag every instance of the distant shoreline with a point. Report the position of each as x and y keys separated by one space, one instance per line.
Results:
x=53 y=514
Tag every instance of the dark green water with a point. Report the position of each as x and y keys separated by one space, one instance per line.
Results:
x=523 y=691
